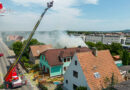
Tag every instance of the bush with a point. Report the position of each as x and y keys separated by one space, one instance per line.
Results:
x=81 y=88
x=59 y=87
x=35 y=67
x=2 y=86
x=27 y=65
x=42 y=86
x=24 y=59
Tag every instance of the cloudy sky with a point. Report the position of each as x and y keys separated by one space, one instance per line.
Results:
x=66 y=15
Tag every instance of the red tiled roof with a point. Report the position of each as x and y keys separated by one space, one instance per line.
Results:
x=15 y=37
x=102 y=63
x=53 y=55
x=37 y=49
x=117 y=57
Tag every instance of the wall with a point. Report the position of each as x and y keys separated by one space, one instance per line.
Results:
x=43 y=62
x=31 y=58
x=65 y=64
x=80 y=81
x=106 y=39
x=56 y=70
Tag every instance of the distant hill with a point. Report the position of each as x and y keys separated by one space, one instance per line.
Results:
x=126 y=31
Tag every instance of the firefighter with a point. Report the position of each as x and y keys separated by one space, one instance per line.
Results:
x=50 y=4
x=7 y=85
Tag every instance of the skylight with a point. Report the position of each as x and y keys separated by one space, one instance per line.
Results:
x=97 y=75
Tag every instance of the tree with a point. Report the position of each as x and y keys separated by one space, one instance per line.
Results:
x=17 y=46
x=90 y=44
x=24 y=59
x=116 y=48
x=81 y=88
x=107 y=47
x=125 y=58
x=100 y=46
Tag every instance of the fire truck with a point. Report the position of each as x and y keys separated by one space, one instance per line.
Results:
x=12 y=78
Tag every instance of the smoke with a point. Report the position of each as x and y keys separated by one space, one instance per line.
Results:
x=60 y=39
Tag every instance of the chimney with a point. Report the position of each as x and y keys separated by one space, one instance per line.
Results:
x=79 y=46
x=38 y=52
x=94 y=51
x=65 y=47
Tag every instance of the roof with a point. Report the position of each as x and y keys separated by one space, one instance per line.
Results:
x=125 y=68
x=103 y=63
x=15 y=37
x=117 y=57
x=123 y=85
x=53 y=55
x=37 y=49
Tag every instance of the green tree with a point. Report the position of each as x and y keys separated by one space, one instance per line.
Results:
x=125 y=58
x=116 y=48
x=24 y=59
x=81 y=88
x=17 y=46
x=107 y=47
x=90 y=44
x=100 y=46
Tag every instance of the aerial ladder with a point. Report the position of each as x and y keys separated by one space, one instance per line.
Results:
x=12 y=75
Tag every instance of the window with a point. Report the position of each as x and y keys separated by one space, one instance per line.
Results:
x=64 y=68
x=42 y=57
x=64 y=59
x=75 y=62
x=74 y=87
x=97 y=75
x=66 y=81
x=75 y=74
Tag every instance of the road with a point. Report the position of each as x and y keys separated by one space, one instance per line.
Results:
x=3 y=67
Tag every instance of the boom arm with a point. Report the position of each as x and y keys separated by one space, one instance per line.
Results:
x=49 y=5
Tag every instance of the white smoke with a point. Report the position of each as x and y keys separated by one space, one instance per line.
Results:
x=60 y=39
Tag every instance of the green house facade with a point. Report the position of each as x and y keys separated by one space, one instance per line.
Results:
x=54 y=70
x=56 y=61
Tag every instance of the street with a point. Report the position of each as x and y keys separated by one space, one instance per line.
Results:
x=4 y=64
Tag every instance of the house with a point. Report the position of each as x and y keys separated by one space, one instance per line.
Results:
x=117 y=60
x=56 y=61
x=35 y=51
x=15 y=38
x=92 y=69
x=125 y=71
x=123 y=85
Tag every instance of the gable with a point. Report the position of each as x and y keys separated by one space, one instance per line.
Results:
x=81 y=80
x=97 y=68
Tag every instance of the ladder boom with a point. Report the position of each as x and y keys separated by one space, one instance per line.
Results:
x=49 y=5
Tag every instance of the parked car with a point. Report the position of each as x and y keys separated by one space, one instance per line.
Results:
x=1 y=54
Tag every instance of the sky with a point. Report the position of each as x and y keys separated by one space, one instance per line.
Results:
x=82 y=15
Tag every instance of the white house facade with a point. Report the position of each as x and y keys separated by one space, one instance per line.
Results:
x=74 y=76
